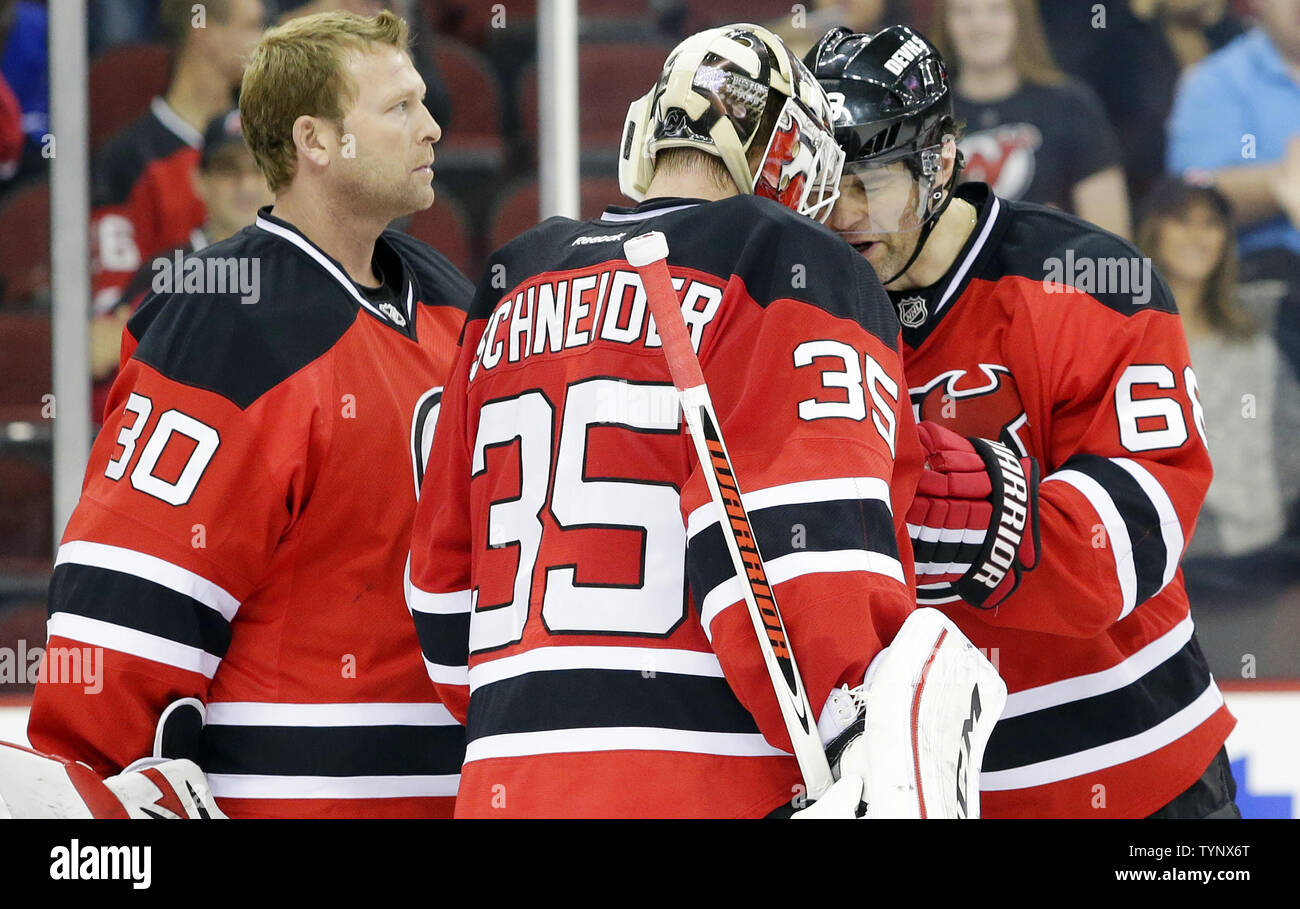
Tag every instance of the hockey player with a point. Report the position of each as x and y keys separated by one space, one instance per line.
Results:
x=1055 y=340
x=237 y=555
x=569 y=578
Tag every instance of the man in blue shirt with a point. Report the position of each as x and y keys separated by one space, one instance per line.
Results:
x=1237 y=116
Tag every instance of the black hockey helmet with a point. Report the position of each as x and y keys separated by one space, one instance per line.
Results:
x=890 y=91
x=892 y=101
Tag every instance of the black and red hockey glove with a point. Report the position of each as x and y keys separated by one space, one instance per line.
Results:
x=974 y=521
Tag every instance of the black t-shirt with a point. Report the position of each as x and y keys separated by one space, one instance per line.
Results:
x=1035 y=144
x=1132 y=69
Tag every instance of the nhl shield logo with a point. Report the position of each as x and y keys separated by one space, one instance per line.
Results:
x=911 y=311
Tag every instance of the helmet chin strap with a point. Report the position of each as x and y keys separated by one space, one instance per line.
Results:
x=928 y=226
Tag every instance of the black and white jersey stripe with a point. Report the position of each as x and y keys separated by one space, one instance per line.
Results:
x=596 y=698
x=331 y=751
x=442 y=627
x=805 y=528
x=138 y=604
x=1087 y=723
x=1142 y=528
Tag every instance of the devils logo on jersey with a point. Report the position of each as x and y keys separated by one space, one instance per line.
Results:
x=992 y=410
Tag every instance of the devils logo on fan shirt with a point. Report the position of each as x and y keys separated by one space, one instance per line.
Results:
x=991 y=409
x=1003 y=157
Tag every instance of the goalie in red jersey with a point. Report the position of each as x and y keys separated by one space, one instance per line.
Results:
x=570 y=577
x=1049 y=372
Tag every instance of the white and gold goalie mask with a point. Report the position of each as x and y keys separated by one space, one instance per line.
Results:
x=712 y=95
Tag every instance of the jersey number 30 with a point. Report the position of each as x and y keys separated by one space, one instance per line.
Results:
x=171 y=423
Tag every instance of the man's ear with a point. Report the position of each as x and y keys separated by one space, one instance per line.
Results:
x=315 y=139
x=949 y=157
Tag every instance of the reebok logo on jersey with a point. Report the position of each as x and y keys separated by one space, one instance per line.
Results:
x=604 y=238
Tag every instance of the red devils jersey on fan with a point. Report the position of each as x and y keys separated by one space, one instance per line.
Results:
x=242 y=534
x=142 y=198
x=569 y=578
x=1059 y=340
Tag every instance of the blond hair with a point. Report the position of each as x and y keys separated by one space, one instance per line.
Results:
x=1030 y=54
x=298 y=69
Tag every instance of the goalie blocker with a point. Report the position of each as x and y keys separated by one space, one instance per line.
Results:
x=909 y=742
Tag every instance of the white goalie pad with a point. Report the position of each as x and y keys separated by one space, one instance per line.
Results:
x=37 y=785
x=931 y=701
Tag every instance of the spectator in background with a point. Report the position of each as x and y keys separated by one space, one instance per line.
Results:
x=232 y=189
x=11 y=132
x=113 y=22
x=1237 y=116
x=1030 y=133
x=142 y=189
x=1248 y=390
x=823 y=15
x=24 y=64
x=1131 y=55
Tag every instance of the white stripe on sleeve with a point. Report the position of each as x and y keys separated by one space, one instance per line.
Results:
x=1121 y=547
x=1171 y=530
x=98 y=633
x=150 y=568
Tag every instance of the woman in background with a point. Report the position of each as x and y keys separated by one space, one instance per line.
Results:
x=1248 y=391
x=1031 y=133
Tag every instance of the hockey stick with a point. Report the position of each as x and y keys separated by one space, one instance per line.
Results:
x=648 y=254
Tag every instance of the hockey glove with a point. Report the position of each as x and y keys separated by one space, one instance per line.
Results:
x=974 y=521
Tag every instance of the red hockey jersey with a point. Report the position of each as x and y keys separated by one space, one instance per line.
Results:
x=242 y=534
x=570 y=582
x=1062 y=342
x=143 y=199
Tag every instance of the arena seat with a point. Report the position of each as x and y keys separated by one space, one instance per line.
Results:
x=122 y=82
x=25 y=353
x=474 y=137
x=516 y=209
x=25 y=252
x=446 y=228
x=610 y=77
x=26 y=521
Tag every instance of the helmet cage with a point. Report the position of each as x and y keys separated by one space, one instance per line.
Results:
x=801 y=165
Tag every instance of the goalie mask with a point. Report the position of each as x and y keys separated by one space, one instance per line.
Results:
x=712 y=95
